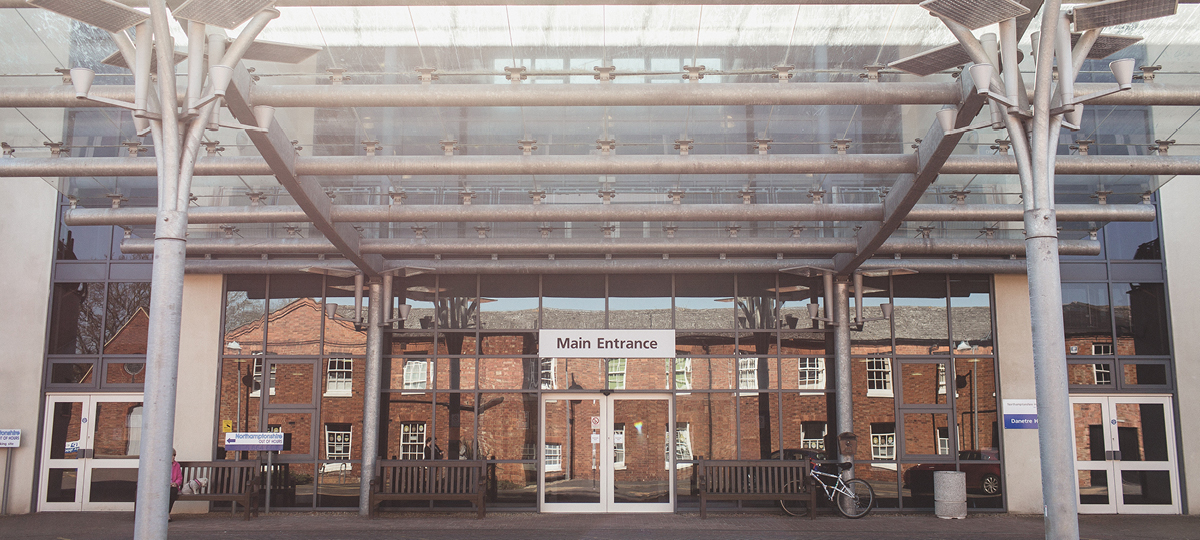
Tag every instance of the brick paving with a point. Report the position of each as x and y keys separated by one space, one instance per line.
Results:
x=521 y=526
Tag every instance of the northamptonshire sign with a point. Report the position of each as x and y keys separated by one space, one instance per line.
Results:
x=1020 y=414
x=254 y=441
x=612 y=343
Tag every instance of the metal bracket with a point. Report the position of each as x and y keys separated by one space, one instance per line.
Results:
x=371 y=147
x=1082 y=145
x=449 y=146
x=337 y=75
x=683 y=145
x=1147 y=74
x=1093 y=234
x=419 y=232
x=608 y=230
x=427 y=74
x=733 y=230
x=796 y=230
x=8 y=150
x=817 y=195
x=604 y=73
x=398 y=197
x=925 y=232
x=229 y=230
x=527 y=146
x=57 y=149
x=545 y=229
x=467 y=196
x=482 y=231
x=1002 y=146
x=989 y=232
x=516 y=74
x=960 y=196
x=1101 y=196
x=66 y=75
x=296 y=145
x=1161 y=146
x=747 y=195
x=872 y=74
x=783 y=73
x=292 y=230
x=840 y=145
x=212 y=147
x=763 y=145
x=117 y=199
x=134 y=148
x=606 y=146
x=670 y=230
x=607 y=195
x=538 y=195
x=676 y=195
x=694 y=73
x=256 y=197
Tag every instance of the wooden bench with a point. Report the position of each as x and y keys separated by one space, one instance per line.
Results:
x=429 y=480
x=755 y=480
x=233 y=481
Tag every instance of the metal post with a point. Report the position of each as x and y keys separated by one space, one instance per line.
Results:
x=841 y=351
x=7 y=470
x=370 y=438
x=270 y=470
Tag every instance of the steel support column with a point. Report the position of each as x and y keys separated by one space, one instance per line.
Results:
x=377 y=313
x=842 y=363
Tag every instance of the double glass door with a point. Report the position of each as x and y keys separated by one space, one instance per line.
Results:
x=1125 y=455
x=603 y=453
x=90 y=452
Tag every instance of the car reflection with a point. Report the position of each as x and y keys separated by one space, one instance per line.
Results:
x=981 y=477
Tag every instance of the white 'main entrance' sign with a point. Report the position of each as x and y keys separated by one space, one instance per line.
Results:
x=612 y=343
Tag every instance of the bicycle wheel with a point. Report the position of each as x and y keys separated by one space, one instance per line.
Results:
x=793 y=507
x=862 y=501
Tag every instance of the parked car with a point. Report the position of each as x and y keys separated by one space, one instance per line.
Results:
x=981 y=477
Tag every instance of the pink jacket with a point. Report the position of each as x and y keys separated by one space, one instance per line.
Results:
x=176 y=474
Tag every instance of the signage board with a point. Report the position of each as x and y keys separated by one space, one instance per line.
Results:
x=10 y=438
x=611 y=343
x=254 y=441
x=1020 y=414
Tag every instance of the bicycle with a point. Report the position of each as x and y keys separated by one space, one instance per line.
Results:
x=853 y=499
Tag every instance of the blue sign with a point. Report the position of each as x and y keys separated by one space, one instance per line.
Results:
x=1020 y=421
x=254 y=441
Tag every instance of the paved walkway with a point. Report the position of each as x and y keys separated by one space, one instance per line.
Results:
x=522 y=526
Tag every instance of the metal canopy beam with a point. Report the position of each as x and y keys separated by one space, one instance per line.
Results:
x=639 y=94
x=596 y=165
x=372 y=3
x=276 y=149
x=555 y=213
x=509 y=246
x=934 y=150
x=604 y=266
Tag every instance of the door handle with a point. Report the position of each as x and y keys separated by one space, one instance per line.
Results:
x=1112 y=455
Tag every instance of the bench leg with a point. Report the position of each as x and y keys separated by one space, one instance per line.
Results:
x=482 y=507
x=703 y=507
x=812 y=504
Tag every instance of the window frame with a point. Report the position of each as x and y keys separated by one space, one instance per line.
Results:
x=344 y=380
x=882 y=377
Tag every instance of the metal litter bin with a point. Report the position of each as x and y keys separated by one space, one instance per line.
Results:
x=950 y=494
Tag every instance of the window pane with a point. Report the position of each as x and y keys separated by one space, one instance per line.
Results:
x=758 y=419
x=456 y=425
x=71 y=373
x=88 y=243
x=805 y=424
x=125 y=373
x=521 y=373
x=971 y=315
x=703 y=301
x=75 y=318
x=457 y=303
x=795 y=293
x=1141 y=312
x=927 y=434
x=920 y=315
x=1136 y=241
x=923 y=383
x=508 y=425
x=876 y=336
x=127 y=318
x=456 y=373
x=291 y=384
x=418 y=292
x=407 y=373
x=508 y=302
x=975 y=399
x=342 y=335
x=1144 y=374
x=295 y=314
x=573 y=301
x=245 y=306
x=1086 y=319
x=1094 y=374
x=755 y=303
x=639 y=301
x=712 y=423
x=409 y=425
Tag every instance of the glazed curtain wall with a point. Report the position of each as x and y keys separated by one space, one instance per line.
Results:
x=750 y=379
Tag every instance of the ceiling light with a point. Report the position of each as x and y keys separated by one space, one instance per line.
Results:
x=975 y=13
x=224 y=13
x=117 y=59
x=934 y=60
x=1114 y=12
x=269 y=51
x=103 y=14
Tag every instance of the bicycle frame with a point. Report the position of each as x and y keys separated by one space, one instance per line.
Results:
x=838 y=487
